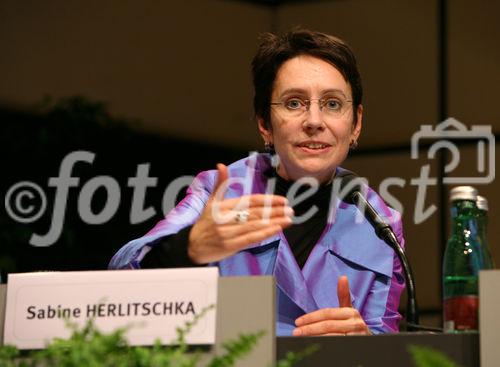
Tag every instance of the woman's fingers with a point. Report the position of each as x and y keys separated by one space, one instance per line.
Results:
x=211 y=240
x=321 y=328
x=233 y=230
x=331 y=327
x=331 y=321
x=258 y=231
x=343 y=293
x=341 y=313
x=239 y=211
x=239 y=236
x=258 y=214
x=222 y=176
x=227 y=226
x=254 y=200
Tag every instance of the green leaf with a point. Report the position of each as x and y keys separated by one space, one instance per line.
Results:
x=89 y=347
x=428 y=357
x=293 y=358
x=8 y=354
x=236 y=349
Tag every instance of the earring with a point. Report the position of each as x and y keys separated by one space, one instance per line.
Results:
x=353 y=145
x=269 y=147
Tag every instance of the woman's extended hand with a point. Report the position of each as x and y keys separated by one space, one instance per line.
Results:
x=344 y=320
x=227 y=226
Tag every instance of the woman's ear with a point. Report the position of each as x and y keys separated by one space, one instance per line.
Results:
x=265 y=132
x=356 y=128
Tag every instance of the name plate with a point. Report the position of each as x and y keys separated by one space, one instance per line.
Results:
x=153 y=302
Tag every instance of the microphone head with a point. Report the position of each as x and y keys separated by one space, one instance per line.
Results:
x=349 y=184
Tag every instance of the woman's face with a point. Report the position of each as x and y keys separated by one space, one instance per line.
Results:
x=314 y=143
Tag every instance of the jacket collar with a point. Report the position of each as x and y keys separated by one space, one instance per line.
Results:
x=352 y=237
x=348 y=235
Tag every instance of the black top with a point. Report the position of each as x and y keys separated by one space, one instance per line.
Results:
x=302 y=237
x=171 y=250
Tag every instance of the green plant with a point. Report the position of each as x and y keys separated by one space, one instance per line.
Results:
x=428 y=357
x=292 y=358
x=8 y=355
x=89 y=347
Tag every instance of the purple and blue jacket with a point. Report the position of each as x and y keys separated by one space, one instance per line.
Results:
x=348 y=246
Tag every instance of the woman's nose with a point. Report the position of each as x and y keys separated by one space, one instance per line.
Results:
x=314 y=116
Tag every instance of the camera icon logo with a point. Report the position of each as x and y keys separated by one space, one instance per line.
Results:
x=452 y=129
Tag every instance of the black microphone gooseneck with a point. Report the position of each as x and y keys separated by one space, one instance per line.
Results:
x=351 y=193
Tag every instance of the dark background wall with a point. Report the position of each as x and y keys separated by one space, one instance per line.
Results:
x=175 y=82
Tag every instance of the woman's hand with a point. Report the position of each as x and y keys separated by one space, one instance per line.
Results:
x=227 y=226
x=344 y=320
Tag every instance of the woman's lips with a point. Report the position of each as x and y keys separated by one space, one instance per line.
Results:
x=314 y=147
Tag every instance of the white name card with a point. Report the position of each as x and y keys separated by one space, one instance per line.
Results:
x=153 y=301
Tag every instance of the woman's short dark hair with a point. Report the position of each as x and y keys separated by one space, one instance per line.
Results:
x=274 y=50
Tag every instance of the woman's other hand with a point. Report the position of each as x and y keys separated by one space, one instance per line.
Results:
x=227 y=226
x=344 y=320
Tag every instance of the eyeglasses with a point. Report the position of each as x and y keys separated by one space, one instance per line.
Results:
x=331 y=107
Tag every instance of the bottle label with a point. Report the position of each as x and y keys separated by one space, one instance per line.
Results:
x=461 y=313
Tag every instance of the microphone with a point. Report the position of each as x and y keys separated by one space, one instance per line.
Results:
x=351 y=192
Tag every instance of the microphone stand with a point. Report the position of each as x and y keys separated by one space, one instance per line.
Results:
x=385 y=232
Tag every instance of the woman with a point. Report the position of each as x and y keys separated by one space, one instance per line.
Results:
x=308 y=107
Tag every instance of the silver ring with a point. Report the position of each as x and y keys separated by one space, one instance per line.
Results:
x=241 y=216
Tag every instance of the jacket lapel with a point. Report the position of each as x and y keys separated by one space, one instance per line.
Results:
x=348 y=246
x=353 y=238
x=290 y=279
